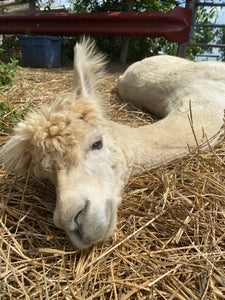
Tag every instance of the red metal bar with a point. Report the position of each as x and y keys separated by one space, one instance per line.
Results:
x=174 y=25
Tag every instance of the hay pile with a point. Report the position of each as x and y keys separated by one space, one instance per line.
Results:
x=170 y=237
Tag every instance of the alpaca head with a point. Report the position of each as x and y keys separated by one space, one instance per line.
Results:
x=68 y=141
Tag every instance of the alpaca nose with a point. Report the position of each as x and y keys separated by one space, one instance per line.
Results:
x=71 y=218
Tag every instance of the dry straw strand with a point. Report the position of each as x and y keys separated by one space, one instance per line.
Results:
x=169 y=242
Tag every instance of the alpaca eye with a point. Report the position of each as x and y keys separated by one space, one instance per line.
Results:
x=97 y=145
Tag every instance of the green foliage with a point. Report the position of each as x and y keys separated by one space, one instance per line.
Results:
x=85 y=6
x=7 y=71
x=206 y=35
x=138 y=47
x=67 y=45
x=10 y=115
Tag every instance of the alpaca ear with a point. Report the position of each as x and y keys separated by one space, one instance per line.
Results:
x=16 y=153
x=88 y=68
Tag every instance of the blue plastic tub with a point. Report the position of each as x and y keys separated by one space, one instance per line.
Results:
x=41 y=51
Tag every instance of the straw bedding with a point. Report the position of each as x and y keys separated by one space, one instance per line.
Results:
x=170 y=237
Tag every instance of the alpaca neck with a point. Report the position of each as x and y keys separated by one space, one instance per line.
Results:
x=156 y=145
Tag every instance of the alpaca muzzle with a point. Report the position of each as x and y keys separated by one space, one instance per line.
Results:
x=92 y=228
x=90 y=224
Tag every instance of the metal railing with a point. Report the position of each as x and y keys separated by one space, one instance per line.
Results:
x=194 y=4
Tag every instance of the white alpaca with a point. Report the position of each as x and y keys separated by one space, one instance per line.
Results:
x=89 y=158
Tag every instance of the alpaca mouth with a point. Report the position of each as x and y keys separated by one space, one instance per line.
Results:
x=78 y=240
x=82 y=242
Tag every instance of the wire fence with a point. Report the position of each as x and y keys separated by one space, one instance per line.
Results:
x=217 y=45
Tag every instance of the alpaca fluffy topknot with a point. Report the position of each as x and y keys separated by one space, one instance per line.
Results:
x=51 y=137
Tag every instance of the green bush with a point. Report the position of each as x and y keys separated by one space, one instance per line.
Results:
x=10 y=115
x=7 y=71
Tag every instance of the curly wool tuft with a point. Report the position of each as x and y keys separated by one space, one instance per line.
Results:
x=51 y=137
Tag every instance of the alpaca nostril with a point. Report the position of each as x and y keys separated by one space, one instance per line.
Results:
x=80 y=216
x=79 y=219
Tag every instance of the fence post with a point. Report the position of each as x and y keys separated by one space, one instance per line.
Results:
x=182 y=47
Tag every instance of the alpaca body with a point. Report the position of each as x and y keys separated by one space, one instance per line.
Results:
x=90 y=158
x=164 y=83
x=189 y=96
